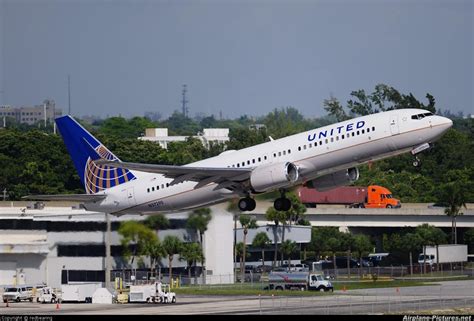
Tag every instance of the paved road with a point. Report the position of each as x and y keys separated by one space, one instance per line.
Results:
x=385 y=300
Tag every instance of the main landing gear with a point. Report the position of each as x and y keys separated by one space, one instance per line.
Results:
x=247 y=204
x=282 y=203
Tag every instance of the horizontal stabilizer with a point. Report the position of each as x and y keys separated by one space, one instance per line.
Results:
x=66 y=197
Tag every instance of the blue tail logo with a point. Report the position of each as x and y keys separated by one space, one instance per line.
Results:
x=84 y=150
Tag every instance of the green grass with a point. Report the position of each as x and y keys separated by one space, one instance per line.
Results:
x=256 y=289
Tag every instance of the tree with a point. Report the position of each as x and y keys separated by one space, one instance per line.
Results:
x=247 y=222
x=199 y=220
x=453 y=195
x=430 y=235
x=411 y=242
x=261 y=240
x=157 y=222
x=469 y=239
x=278 y=217
x=191 y=253
x=324 y=238
x=297 y=210
x=334 y=108
x=154 y=249
x=240 y=249
x=171 y=245
x=136 y=234
x=362 y=244
x=287 y=248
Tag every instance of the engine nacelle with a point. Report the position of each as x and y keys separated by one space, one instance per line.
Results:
x=330 y=181
x=273 y=176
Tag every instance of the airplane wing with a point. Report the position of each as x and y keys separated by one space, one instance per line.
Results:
x=203 y=175
x=67 y=197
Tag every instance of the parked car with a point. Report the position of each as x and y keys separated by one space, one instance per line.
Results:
x=341 y=262
x=263 y=269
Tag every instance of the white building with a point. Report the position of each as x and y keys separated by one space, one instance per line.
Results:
x=55 y=245
x=160 y=135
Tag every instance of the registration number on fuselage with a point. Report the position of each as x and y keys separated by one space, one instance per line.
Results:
x=156 y=204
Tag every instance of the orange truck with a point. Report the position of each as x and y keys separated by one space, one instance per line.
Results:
x=373 y=196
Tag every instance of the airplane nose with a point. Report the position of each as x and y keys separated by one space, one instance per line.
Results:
x=447 y=122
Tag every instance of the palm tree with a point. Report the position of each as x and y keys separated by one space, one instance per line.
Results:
x=261 y=240
x=136 y=234
x=287 y=248
x=157 y=222
x=191 y=253
x=240 y=250
x=199 y=220
x=247 y=223
x=278 y=217
x=171 y=245
x=154 y=249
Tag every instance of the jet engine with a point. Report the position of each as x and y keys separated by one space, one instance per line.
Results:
x=330 y=181
x=273 y=176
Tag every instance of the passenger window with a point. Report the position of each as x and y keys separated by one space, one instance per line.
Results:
x=279 y=154
x=353 y=134
x=337 y=137
x=243 y=164
x=162 y=186
x=326 y=141
x=304 y=146
x=358 y=133
x=238 y=165
x=284 y=152
x=274 y=155
x=158 y=187
x=299 y=148
x=368 y=130
x=265 y=157
x=342 y=136
x=332 y=139
x=289 y=151
x=259 y=159
x=148 y=190
x=363 y=131
x=320 y=142
x=310 y=145
x=253 y=160
x=373 y=128
x=153 y=189
x=248 y=162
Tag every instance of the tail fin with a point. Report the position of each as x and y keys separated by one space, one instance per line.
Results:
x=84 y=149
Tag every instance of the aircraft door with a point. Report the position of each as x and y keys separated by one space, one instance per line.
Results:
x=394 y=124
x=131 y=196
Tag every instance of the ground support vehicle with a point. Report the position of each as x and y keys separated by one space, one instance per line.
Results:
x=80 y=292
x=298 y=280
x=152 y=293
x=17 y=294
x=48 y=295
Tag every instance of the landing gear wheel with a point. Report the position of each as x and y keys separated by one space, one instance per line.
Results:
x=282 y=204
x=247 y=204
x=417 y=162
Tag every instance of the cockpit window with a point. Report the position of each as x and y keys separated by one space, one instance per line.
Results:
x=421 y=116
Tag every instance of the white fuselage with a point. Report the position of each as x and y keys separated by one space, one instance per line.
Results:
x=316 y=153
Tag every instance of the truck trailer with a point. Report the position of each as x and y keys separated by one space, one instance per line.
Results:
x=448 y=253
x=373 y=196
x=299 y=281
x=80 y=292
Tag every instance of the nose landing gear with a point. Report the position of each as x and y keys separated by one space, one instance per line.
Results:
x=416 y=162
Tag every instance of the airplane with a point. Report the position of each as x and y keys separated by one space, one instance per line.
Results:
x=322 y=158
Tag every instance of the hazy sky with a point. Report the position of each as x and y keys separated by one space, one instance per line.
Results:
x=241 y=57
